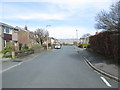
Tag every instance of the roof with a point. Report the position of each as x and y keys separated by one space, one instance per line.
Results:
x=17 y=28
x=6 y=25
x=21 y=28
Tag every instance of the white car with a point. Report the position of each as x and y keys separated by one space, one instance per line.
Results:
x=57 y=46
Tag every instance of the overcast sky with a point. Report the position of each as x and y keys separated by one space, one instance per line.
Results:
x=64 y=16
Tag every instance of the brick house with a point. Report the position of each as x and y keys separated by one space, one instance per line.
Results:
x=26 y=38
x=15 y=36
x=7 y=33
x=8 y=36
x=31 y=39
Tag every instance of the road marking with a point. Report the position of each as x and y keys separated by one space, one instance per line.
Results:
x=10 y=67
x=18 y=64
x=105 y=81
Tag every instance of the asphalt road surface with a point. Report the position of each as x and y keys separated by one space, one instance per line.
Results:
x=58 y=68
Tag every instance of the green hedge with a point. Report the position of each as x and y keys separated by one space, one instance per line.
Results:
x=25 y=48
x=37 y=46
x=84 y=44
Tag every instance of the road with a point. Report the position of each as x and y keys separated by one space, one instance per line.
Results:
x=58 y=68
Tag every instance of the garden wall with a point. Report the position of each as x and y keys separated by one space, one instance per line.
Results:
x=106 y=43
x=23 y=53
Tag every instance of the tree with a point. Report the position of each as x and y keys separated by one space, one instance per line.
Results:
x=85 y=35
x=109 y=20
x=41 y=35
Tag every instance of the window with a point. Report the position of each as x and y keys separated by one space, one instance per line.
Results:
x=7 y=30
x=15 y=30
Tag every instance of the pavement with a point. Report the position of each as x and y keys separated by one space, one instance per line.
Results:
x=100 y=63
x=58 y=68
x=6 y=63
x=37 y=51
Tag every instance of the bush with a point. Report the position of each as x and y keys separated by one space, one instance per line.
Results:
x=49 y=44
x=107 y=43
x=37 y=46
x=25 y=48
x=7 y=56
x=8 y=48
x=7 y=51
x=85 y=45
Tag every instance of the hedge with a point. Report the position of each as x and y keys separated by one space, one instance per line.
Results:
x=106 y=43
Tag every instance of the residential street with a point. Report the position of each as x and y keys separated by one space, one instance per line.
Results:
x=57 y=68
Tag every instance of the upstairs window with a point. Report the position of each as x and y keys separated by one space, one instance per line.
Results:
x=15 y=30
x=7 y=30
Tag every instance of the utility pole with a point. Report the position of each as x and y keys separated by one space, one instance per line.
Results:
x=77 y=36
x=47 y=35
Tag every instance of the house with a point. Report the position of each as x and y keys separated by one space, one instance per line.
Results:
x=17 y=37
x=7 y=35
x=52 y=40
x=22 y=37
x=84 y=40
x=26 y=38
x=31 y=39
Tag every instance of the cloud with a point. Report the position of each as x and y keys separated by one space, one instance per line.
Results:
x=68 y=32
x=37 y=16
x=59 y=1
x=18 y=11
x=68 y=12
x=56 y=9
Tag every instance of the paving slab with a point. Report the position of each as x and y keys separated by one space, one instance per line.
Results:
x=107 y=65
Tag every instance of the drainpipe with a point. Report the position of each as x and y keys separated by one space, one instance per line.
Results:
x=1 y=40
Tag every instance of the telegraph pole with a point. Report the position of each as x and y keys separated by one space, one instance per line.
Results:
x=47 y=35
x=77 y=36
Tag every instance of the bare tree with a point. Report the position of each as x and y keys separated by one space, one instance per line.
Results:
x=41 y=35
x=109 y=20
x=85 y=35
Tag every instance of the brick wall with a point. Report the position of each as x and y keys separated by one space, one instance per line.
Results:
x=23 y=37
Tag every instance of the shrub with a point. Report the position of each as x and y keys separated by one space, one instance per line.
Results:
x=84 y=45
x=37 y=46
x=25 y=48
x=49 y=44
x=107 y=43
x=7 y=56
x=7 y=51
x=8 y=48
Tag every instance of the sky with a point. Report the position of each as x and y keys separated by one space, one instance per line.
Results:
x=64 y=17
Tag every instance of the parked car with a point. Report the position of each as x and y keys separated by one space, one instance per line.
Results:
x=57 y=46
